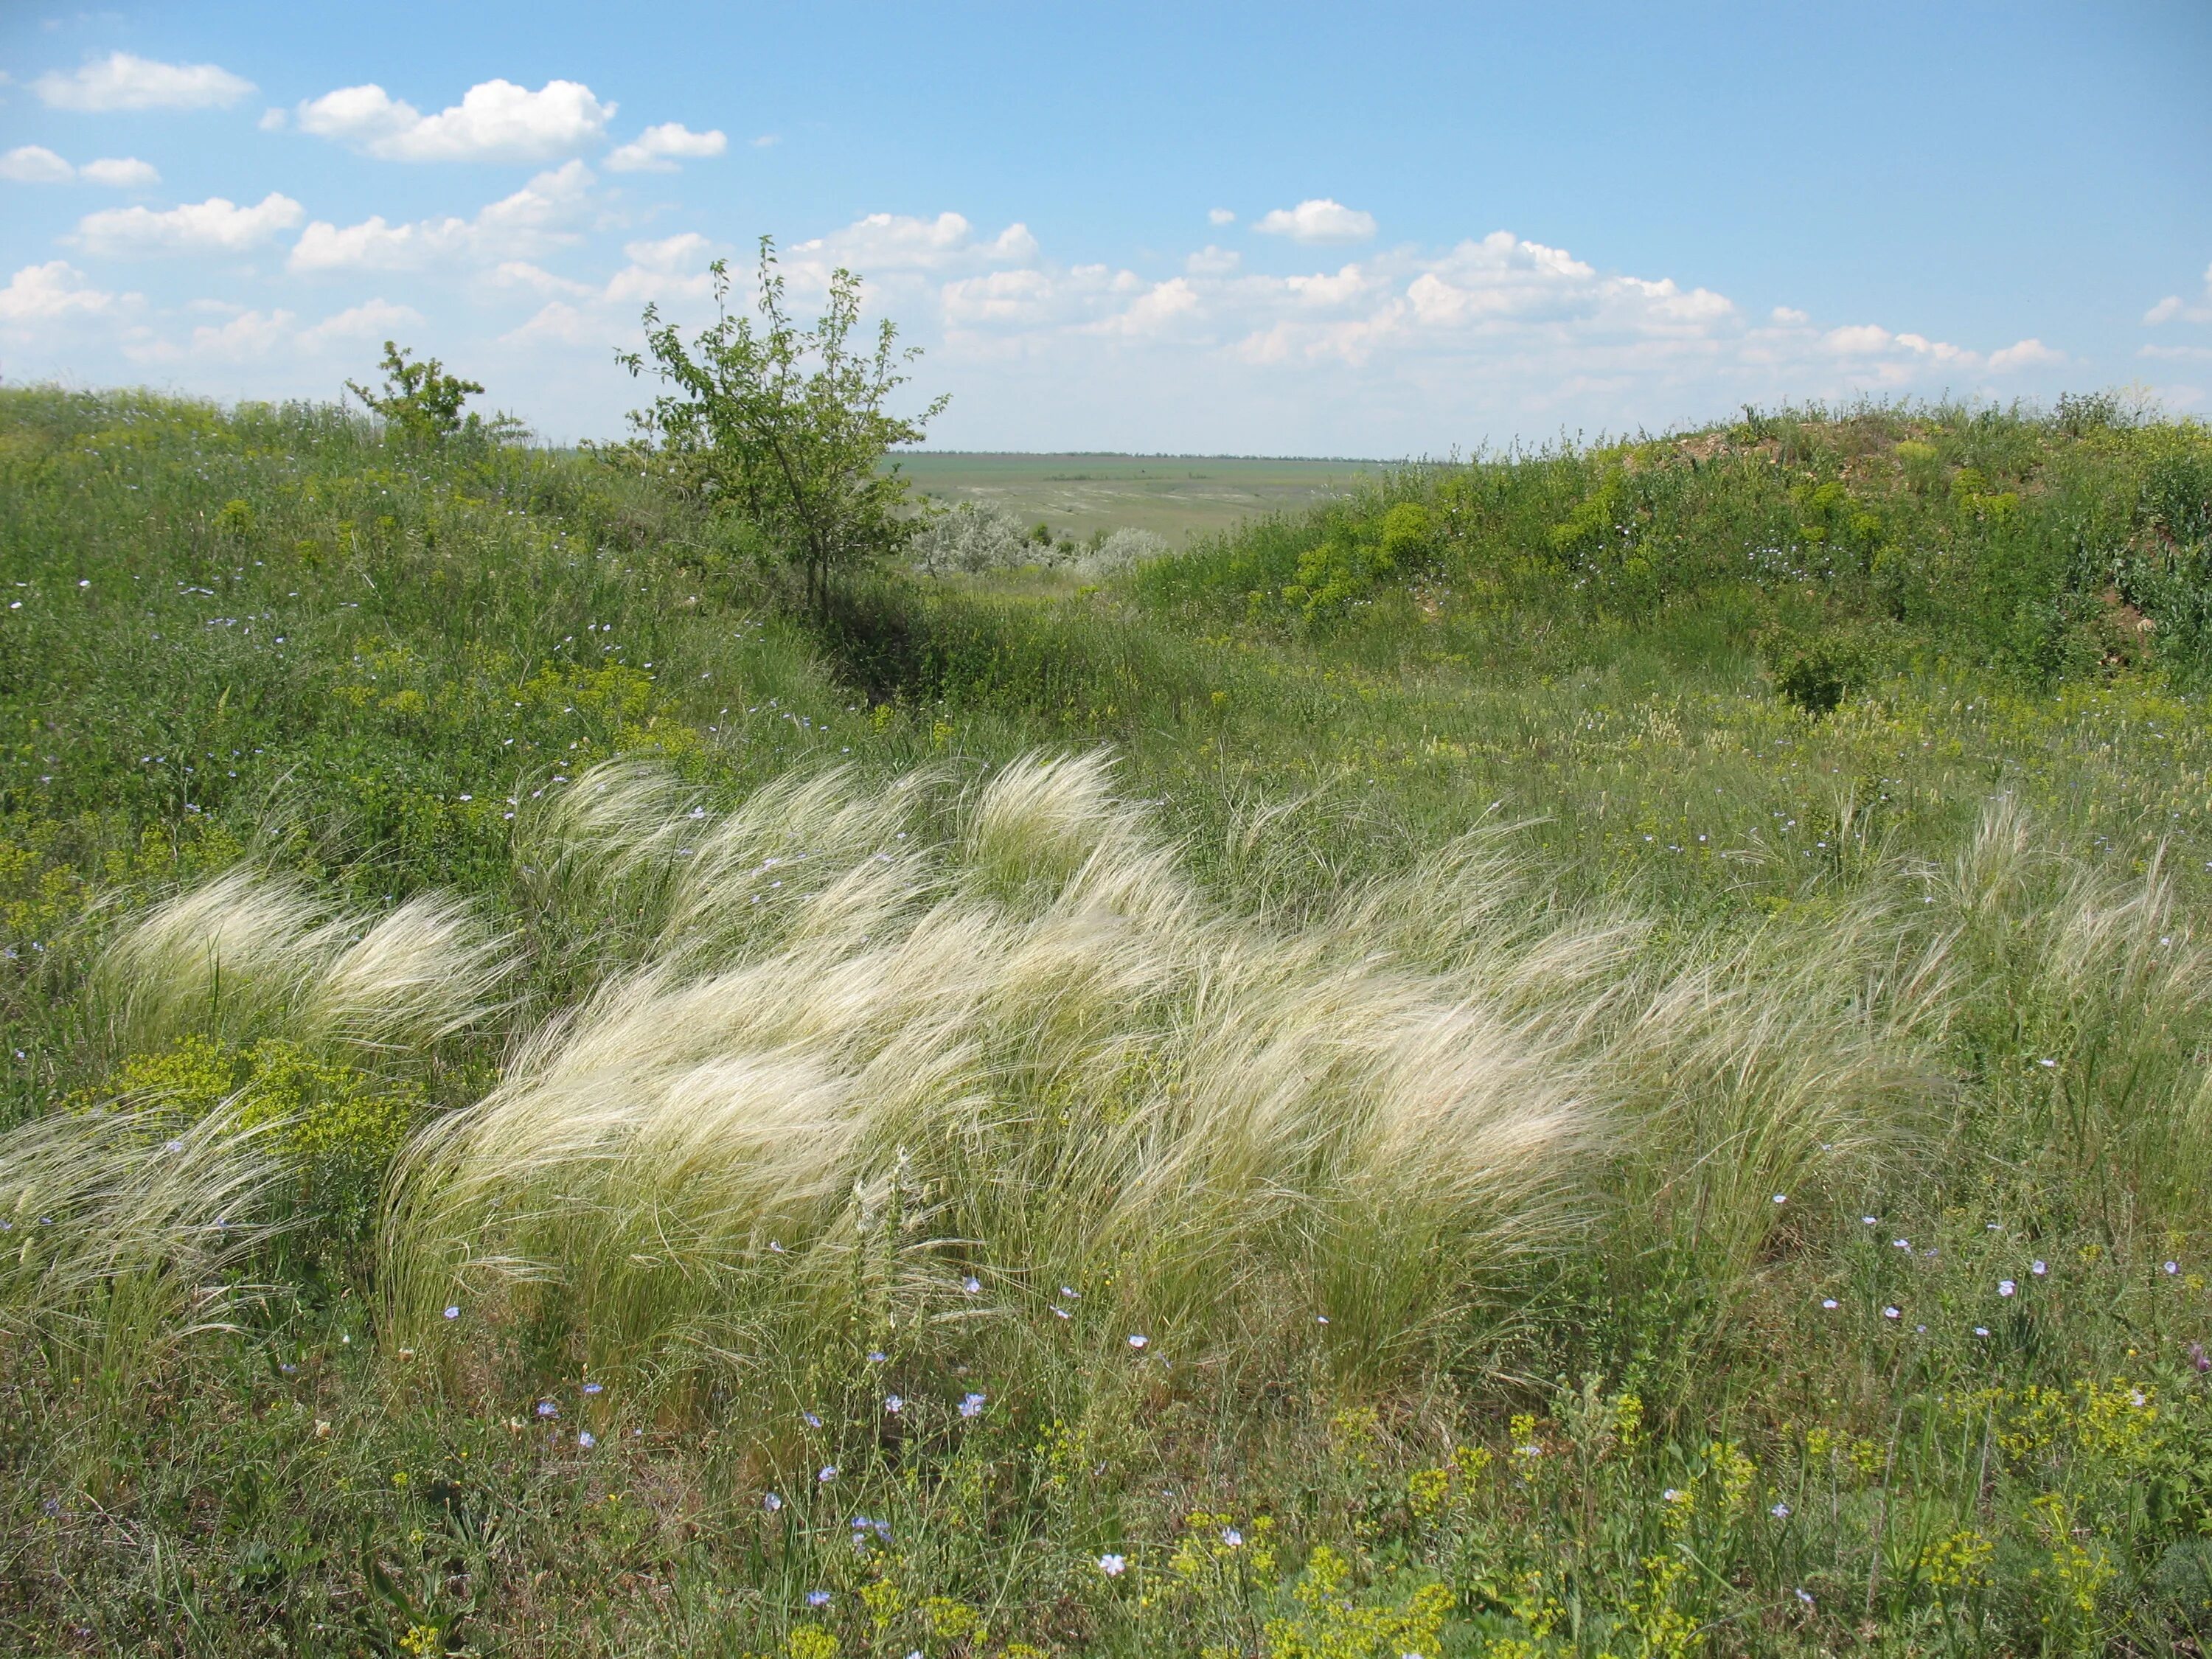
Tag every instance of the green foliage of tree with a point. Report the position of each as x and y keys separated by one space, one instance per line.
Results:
x=785 y=427
x=423 y=404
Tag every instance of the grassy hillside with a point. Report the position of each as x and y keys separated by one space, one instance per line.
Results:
x=1594 y=1053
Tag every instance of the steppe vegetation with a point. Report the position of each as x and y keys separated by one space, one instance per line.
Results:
x=1178 y=498
x=1596 y=1052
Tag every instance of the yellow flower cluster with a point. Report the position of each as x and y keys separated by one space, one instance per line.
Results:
x=1330 y=1624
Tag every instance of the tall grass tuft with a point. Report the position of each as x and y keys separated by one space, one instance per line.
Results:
x=1009 y=1045
x=2091 y=1015
x=246 y=955
x=120 y=1233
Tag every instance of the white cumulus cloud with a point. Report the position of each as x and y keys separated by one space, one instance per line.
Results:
x=120 y=173
x=495 y=121
x=373 y=319
x=54 y=292
x=1220 y=216
x=541 y=216
x=890 y=243
x=215 y=226
x=2026 y=353
x=657 y=149
x=1319 y=219
x=672 y=267
x=2174 y=308
x=558 y=323
x=123 y=81
x=34 y=164
x=251 y=334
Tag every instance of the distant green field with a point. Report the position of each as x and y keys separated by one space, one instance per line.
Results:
x=1177 y=496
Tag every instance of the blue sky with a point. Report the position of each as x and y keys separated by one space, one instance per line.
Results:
x=1368 y=230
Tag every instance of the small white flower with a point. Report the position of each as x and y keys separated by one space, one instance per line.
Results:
x=2172 y=1268
x=1113 y=1565
x=972 y=1405
x=1780 y=1511
x=1805 y=1596
x=1830 y=1303
x=586 y=1440
x=1233 y=1538
x=1782 y=1198
x=893 y=1404
x=1892 y=1313
x=454 y=1312
x=1981 y=1330
x=2048 y=1064
x=971 y=1285
x=1672 y=1495
x=2039 y=1268
x=2006 y=1287
x=1868 y=1219
x=771 y=1503
x=1138 y=1342
x=829 y=1474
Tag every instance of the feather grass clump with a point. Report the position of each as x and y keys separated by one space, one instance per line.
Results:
x=874 y=1059
x=121 y=1235
x=247 y=955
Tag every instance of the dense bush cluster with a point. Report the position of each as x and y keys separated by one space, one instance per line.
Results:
x=974 y=538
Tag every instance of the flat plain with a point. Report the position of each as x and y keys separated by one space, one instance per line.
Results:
x=1176 y=496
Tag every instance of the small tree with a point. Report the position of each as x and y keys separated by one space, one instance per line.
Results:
x=423 y=403
x=783 y=425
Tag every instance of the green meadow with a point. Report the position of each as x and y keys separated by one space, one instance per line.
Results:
x=1595 y=1053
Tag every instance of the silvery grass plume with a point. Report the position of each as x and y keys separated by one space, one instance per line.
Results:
x=2095 y=996
x=249 y=955
x=1775 y=1073
x=119 y=1231
x=859 y=1062
x=1744 y=1065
